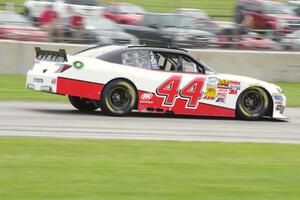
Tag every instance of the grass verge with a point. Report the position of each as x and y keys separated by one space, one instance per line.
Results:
x=217 y=7
x=12 y=87
x=112 y=170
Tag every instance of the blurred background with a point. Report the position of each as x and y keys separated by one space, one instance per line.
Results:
x=228 y=24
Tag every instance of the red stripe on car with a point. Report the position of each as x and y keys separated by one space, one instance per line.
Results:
x=79 y=88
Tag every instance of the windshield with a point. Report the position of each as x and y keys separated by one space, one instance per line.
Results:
x=177 y=21
x=101 y=24
x=133 y=9
x=278 y=9
x=83 y=2
x=13 y=19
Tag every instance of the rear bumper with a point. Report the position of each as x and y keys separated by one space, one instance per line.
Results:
x=41 y=82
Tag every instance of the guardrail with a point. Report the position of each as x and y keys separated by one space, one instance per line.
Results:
x=17 y=58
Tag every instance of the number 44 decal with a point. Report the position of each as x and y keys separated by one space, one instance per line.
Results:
x=192 y=91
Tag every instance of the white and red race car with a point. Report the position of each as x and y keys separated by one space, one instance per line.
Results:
x=119 y=79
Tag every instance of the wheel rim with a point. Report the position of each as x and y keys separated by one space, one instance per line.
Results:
x=252 y=102
x=119 y=98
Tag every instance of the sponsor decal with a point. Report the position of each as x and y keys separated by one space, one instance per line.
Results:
x=210 y=93
x=235 y=85
x=223 y=84
x=279 y=107
x=78 y=64
x=212 y=82
x=278 y=97
x=221 y=96
x=53 y=81
x=146 y=96
x=38 y=80
x=232 y=91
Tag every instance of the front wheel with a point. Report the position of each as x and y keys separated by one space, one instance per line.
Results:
x=252 y=104
x=83 y=104
x=118 y=98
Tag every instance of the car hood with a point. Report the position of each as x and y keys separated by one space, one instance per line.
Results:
x=245 y=79
x=181 y=31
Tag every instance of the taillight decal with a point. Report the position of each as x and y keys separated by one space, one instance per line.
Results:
x=63 y=68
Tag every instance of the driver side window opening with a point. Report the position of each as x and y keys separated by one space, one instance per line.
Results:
x=140 y=58
x=163 y=61
x=177 y=63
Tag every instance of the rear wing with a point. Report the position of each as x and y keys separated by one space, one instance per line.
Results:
x=51 y=56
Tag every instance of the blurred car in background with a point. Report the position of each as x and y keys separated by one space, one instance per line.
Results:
x=159 y=29
x=191 y=12
x=269 y=15
x=101 y=31
x=104 y=31
x=254 y=41
x=291 y=41
x=34 y=8
x=295 y=6
x=16 y=27
x=231 y=38
x=124 y=13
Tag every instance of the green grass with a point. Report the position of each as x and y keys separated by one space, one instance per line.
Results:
x=212 y=7
x=112 y=170
x=12 y=87
x=292 y=91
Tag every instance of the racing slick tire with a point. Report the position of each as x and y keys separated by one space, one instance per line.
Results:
x=252 y=104
x=118 y=98
x=83 y=104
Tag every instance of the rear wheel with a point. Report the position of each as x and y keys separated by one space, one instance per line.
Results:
x=118 y=98
x=252 y=104
x=83 y=104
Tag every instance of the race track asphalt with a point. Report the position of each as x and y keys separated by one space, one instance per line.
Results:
x=29 y=119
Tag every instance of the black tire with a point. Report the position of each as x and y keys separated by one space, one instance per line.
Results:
x=83 y=104
x=252 y=104
x=118 y=98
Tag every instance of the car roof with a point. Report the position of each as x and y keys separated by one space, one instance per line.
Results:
x=113 y=48
x=162 y=49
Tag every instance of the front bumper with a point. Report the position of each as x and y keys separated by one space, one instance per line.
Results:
x=279 y=105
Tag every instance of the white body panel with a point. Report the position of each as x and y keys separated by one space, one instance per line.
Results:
x=102 y=72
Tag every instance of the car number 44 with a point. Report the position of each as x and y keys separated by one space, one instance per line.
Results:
x=192 y=92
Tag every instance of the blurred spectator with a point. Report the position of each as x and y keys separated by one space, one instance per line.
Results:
x=47 y=17
x=247 y=23
x=49 y=21
x=77 y=25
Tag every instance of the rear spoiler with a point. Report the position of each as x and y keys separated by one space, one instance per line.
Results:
x=51 y=56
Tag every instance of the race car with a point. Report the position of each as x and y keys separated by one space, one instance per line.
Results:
x=122 y=79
